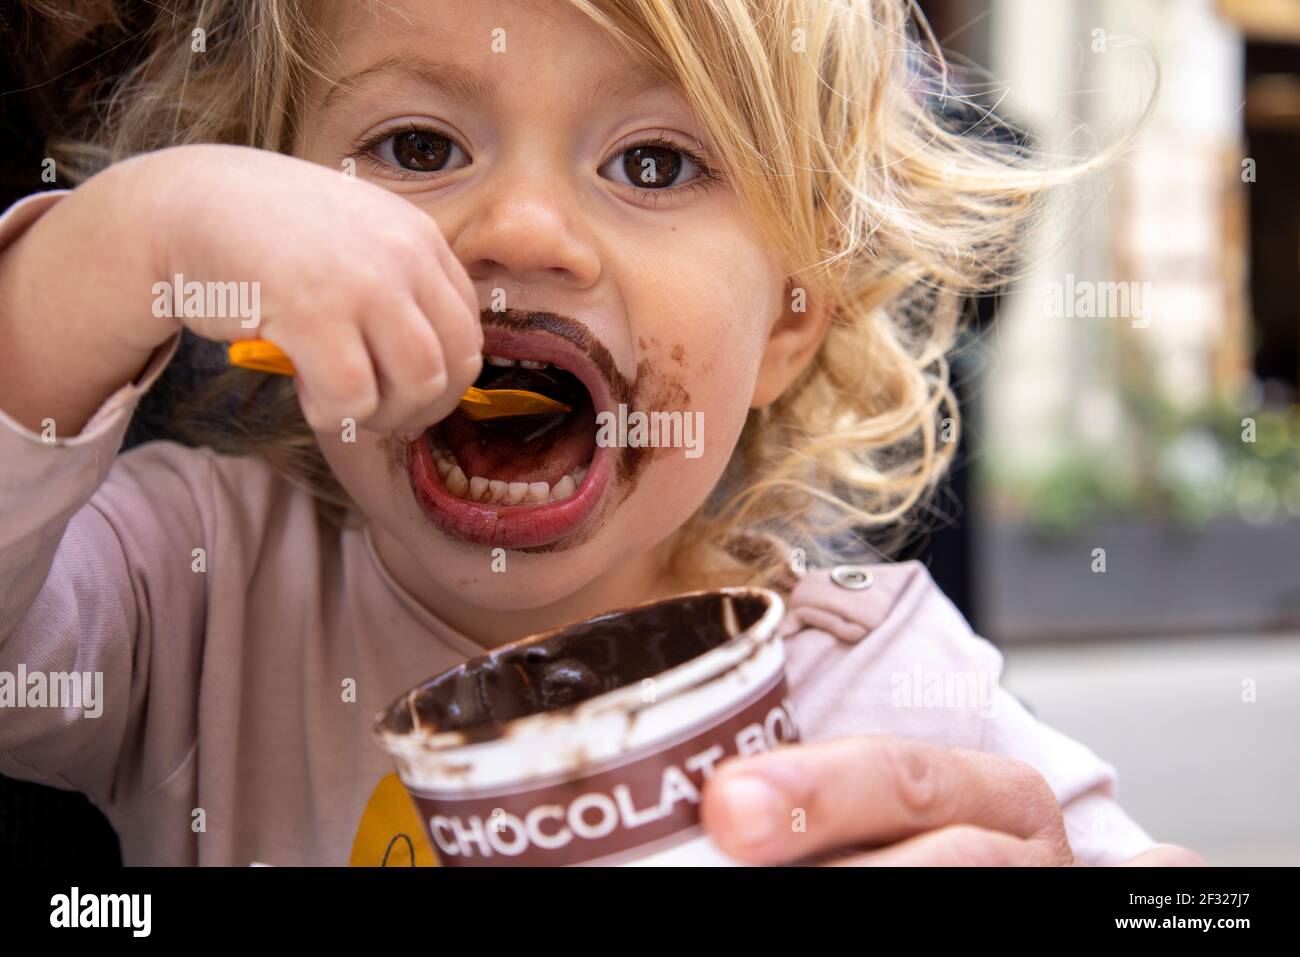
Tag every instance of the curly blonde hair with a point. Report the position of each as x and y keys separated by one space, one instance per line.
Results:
x=827 y=119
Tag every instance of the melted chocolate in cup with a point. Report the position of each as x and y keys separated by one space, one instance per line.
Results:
x=591 y=743
x=563 y=668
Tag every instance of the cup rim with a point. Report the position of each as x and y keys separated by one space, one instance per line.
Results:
x=675 y=680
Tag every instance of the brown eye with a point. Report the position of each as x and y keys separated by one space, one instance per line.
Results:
x=652 y=167
x=657 y=164
x=423 y=151
x=418 y=150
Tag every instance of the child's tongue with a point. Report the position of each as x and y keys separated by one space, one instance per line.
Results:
x=535 y=448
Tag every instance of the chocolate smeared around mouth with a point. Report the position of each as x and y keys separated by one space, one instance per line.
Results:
x=561 y=451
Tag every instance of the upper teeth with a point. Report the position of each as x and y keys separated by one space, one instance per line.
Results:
x=507 y=361
x=495 y=491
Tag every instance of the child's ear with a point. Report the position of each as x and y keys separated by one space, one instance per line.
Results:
x=792 y=342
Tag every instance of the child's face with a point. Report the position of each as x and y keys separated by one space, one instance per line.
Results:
x=516 y=126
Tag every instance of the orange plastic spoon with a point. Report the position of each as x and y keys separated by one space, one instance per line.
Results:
x=262 y=356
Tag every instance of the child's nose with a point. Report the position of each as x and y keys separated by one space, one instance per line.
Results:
x=527 y=227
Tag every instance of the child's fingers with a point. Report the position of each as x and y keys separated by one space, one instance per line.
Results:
x=412 y=374
x=456 y=274
x=457 y=326
x=435 y=264
x=336 y=380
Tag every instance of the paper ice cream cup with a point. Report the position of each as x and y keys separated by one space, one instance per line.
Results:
x=591 y=744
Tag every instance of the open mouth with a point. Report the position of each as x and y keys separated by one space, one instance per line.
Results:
x=532 y=459
x=522 y=481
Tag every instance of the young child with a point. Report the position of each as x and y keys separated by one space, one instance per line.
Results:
x=751 y=214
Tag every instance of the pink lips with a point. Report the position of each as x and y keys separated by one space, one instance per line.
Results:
x=517 y=526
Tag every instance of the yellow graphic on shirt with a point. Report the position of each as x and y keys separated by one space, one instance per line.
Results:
x=390 y=833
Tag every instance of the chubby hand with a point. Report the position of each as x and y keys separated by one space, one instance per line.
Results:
x=357 y=285
x=888 y=801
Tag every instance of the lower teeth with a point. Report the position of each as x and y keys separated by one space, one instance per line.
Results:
x=495 y=491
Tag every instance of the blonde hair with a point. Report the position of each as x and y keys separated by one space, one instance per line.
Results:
x=824 y=117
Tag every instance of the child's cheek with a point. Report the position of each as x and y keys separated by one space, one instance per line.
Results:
x=370 y=468
x=710 y=393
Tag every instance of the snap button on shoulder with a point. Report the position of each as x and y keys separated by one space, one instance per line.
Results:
x=855 y=577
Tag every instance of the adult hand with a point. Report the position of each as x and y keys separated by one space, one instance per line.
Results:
x=882 y=800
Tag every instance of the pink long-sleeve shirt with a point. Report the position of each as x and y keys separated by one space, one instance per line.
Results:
x=225 y=732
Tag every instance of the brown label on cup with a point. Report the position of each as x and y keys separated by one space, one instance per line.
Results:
x=612 y=811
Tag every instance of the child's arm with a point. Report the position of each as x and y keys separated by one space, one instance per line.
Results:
x=101 y=616
x=97 y=562
x=355 y=283
x=74 y=629
x=68 y=282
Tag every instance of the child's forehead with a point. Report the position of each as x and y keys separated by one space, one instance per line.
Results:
x=478 y=47
x=491 y=32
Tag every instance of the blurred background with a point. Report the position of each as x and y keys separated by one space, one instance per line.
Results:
x=1129 y=522
x=1124 y=519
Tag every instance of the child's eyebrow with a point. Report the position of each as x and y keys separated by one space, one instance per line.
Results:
x=464 y=84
